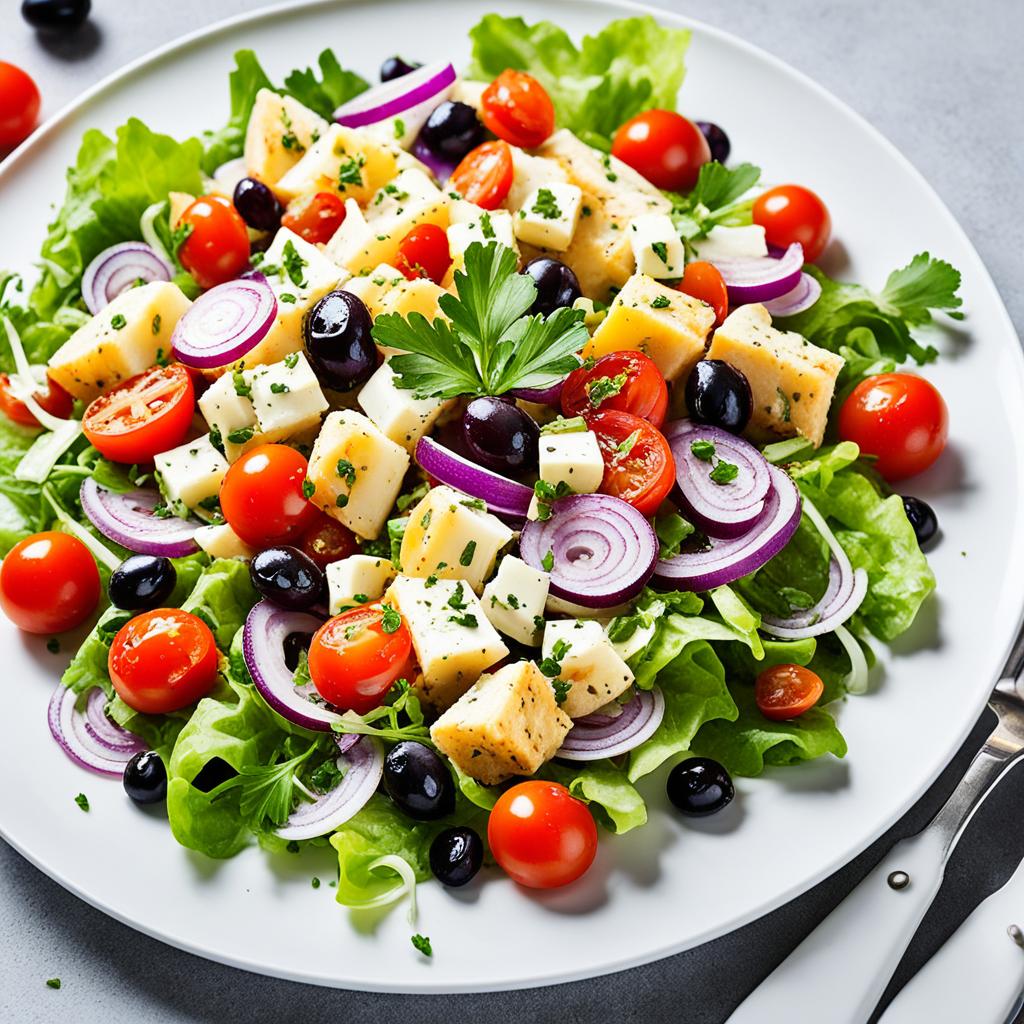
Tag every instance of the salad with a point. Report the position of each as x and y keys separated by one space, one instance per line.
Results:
x=436 y=459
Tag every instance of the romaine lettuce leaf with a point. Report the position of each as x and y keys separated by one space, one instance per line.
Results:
x=606 y=787
x=222 y=598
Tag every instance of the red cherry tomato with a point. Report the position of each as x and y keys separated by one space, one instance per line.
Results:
x=355 y=657
x=627 y=381
x=163 y=660
x=703 y=281
x=261 y=496
x=19 y=105
x=315 y=218
x=50 y=396
x=217 y=250
x=518 y=109
x=787 y=691
x=541 y=835
x=49 y=583
x=638 y=463
x=424 y=253
x=142 y=417
x=792 y=213
x=485 y=175
x=898 y=417
x=663 y=146
x=328 y=541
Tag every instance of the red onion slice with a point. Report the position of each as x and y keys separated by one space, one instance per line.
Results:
x=803 y=296
x=639 y=721
x=601 y=550
x=128 y=520
x=119 y=268
x=551 y=395
x=89 y=738
x=224 y=323
x=758 y=278
x=424 y=86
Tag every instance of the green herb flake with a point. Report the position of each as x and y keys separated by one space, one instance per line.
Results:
x=118 y=322
x=242 y=388
x=293 y=264
x=53 y=982
x=466 y=558
x=156 y=323
x=291 y=360
x=83 y=801
x=350 y=172
x=422 y=944
x=563 y=425
x=467 y=619
x=346 y=471
x=724 y=473
x=627 y=446
x=315 y=882
x=308 y=488
x=241 y=435
x=561 y=688
x=661 y=302
x=390 y=621
x=341 y=501
x=399 y=128
x=660 y=249
x=277 y=388
x=600 y=389
x=486 y=227
x=703 y=450
x=546 y=205
x=548 y=561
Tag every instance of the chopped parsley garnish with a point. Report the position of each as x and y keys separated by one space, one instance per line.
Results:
x=724 y=473
x=291 y=360
x=399 y=128
x=422 y=943
x=546 y=494
x=287 y=297
x=360 y=598
x=277 y=388
x=292 y=262
x=161 y=358
x=475 y=503
x=627 y=446
x=546 y=205
x=468 y=620
x=241 y=435
x=242 y=388
x=466 y=558
x=548 y=561
x=216 y=439
x=315 y=882
x=562 y=425
x=661 y=302
x=157 y=319
x=600 y=389
x=458 y=599
x=660 y=249
x=289 y=139
x=118 y=322
x=703 y=450
x=609 y=173
x=390 y=621
x=561 y=688
x=486 y=227
x=53 y=982
x=308 y=488
x=512 y=601
x=83 y=801
x=425 y=519
x=784 y=399
x=350 y=172
x=346 y=471
x=341 y=500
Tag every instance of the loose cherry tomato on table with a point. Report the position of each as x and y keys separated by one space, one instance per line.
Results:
x=217 y=249
x=51 y=397
x=261 y=496
x=787 y=691
x=899 y=418
x=541 y=835
x=142 y=417
x=702 y=280
x=355 y=657
x=19 y=105
x=518 y=109
x=328 y=541
x=315 y=218
x=163 y=660
x=485 y=175
x=638 y=463
x=49 y=583
x=627 y=381
x=664 y=147
x=792 y=213
x=424 y=253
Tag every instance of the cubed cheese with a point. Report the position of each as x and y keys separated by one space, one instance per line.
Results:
x=791 y=380
x=648 y=317
x=514 y=600
x=356 y=472
x=573 y=458
x=530 y=173
x=220 y=541
x=372 y=287
x=725 y=242
x=191 y=475
x=123 y=339
x=280 y=131
x=226 y=407
x=549 y=216
x=451 y=537
x=453 y=639
x=417 y=296
x=507 y=724
x=657 y=248
x=178 y=203
x=395 y=411
x=286 y=397
x=469 y=91
x=588 y=662
x=474 y=224
x=356 y=580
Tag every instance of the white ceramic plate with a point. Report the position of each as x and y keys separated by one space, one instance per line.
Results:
x=674 y=883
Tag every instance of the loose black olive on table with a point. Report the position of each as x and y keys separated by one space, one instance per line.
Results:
x=718 y=141
x=718 y=394
x=257 y=205
x=456 y=855
x=141 y=582
x=145 y=778
x=500 y=434
x=922 y=518
x=338 y=341
x=699 y=786
x=395 y=67
x=288 y=577
x=55 y=15
x=557 y=284
x=452 y=130
x=418 y=781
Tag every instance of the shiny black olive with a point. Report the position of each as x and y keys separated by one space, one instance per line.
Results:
x=456 y=855
x=145 y=778
x=718 y=141
x=338 y=342
x=257 y=205
x=922 y=518
x=395 y=67
x=288 y=577
x=452 y=130
x=418 y=781
x=699 y=786
x=214 y=773
x=293 y=646
x=719 y=394
x=55 y=15
x=500 y=435
x=557 y=285
x=142 y=581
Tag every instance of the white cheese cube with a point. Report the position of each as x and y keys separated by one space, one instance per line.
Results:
x=191 y=475
x=408 y=188
x=400 y=416
x=657 y=247
x=220 y=541
x=478 y=225
x=514 y=600
x=549 y=217
x=729 y=243
x=356 y=580
x=469 y=91
x=530 y=173
x=573 y=458
x=230 y=414
x=286 y=397
x=279 y=132
x=589 y=663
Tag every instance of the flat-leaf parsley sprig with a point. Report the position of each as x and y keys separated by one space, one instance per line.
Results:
x=491 y=344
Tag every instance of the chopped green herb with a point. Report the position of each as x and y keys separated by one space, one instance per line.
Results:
x=286 y=297
x=350 y=172
x=724 y=473
x=241 y=435
x=156 y=323
x=315 y=882
x=466 y=558
x=548 y=561
x=118 y=321
x=293 y=263
x=512 y=600
x=277 y=388
x=703 y=450
x=627 y=446
x=546 y=205
x=83 y=801
x=161 y=358
x=242 y=388
x=561 y=688
x=425 y=518
x=661 y=302
x=308 y=488
x=600 y=389
x=346 y=471
x=360 y=598
x=562 y=425
x=53 y=982
x=291 y=360
x=390 y=621
x=486 y=227
x=341 y=500
x=399 y=128
x=784 y=398
x=468 y=620
x=547 y=494
x=458 y=598
x=660 y=249
x=422 y=943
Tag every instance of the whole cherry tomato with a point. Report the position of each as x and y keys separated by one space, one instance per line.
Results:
x=664 y=147
x=518 y=109
x=792 y=213
x=217 y=247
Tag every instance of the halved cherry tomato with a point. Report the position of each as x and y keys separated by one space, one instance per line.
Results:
x=19 y=105
x=627 y=381
x=792 y=213
x=315 y=218
x=356 y=656
x=328 y=541
x=163 y=660
x=261 y=496
x=49 y=583
x=638 y=463
x=50 y=396
x=518 y=109
x=142 y=417
x=663 y=146
x=541 y=835
x=485 y=175
x=217 y=249
x=702 y=280
x=787 y=691
x=898 y=417
x=424 y=253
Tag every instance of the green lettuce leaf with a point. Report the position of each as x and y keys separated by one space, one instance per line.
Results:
x=607 y=788
x=245 y=80
x=222 y=598
x=335 y=86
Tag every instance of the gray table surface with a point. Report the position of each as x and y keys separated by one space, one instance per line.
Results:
x=942 y=79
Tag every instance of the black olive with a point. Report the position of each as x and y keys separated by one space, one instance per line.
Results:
x=55 y=15
x=257 y=205
x=452 y=130
x=718 y=141
x=395 y=67
x=214 y=773
x=699 y=786
x=145 y=778
x=338 y=341
x=418 y=781
x=557 y=284
x=288 y=577
x=500 y=435
x=718 y=394
x=141 y=582
x=922 y=518
x=293 y=646
x=456 y=855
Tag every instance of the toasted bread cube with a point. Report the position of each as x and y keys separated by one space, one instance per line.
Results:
x=514 y=600
x=192 y=474
x=395 y=411
x=357 y=579
x=589 y=663
x=506 y=724
x=220 y=541
x=280 y=131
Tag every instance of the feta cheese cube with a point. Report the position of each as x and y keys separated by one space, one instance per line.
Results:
x=285 y=397
x=514 y=600
x=279 y=132
x=657 y=247
x=356 y=580
x=231 y=415
x=372 y=287
x=530 y=173
x=724 y=242
x=191 y=475
x=220 y=541
x=549 y=217
x=589 y=663
x=472 y=223
x=400 y=416
x=573 y=458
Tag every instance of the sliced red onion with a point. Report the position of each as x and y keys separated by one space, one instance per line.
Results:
x=601 y=550
x=438 y=165
x=266 y=629
x=119 y=268
x=756 y=279
x=363 y=764
x=423 y=87
x=719 y=509
x=596 y=736
x=128 y=520
x=89 y=738
x=551 y=395
x=725 y=560
x=225 y=323
x=803 y=296
x=499 y=494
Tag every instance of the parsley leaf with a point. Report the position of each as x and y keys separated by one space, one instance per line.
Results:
x=422 y=943
x=83 y=801
x=703 y=450
x=267 y=791
x=715 y=199
x=390 y=621
x=724 y=472
x=602 y=388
